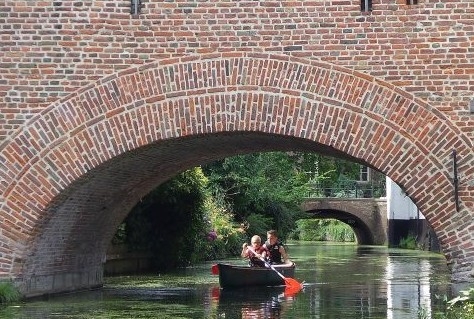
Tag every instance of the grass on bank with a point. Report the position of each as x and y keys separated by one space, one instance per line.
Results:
x=8 y=292
x=460 y=307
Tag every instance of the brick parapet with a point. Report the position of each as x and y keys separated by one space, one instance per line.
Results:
x=50 y=49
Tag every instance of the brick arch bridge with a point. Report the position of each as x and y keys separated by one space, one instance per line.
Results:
x=98 y=107
x=366 y=216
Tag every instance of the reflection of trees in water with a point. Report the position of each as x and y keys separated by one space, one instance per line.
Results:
x=352 y=291
x=361 y=300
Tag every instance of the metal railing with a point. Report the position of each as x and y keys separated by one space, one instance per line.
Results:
x=353 y=189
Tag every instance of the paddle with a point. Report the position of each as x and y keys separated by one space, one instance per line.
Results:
x=292 y=285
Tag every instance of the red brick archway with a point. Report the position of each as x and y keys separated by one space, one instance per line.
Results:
x=72 y=173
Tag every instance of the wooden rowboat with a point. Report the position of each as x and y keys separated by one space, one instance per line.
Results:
x=245 y=276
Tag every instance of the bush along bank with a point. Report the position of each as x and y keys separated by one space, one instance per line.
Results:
x=8 y=292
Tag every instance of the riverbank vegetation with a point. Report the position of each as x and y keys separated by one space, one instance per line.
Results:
x=460 y=307
x=207 y=212
x=181 y=223
x=322 y=230
x=8 y=292
x=408 y=242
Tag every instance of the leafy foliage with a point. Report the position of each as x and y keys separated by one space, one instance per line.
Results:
x=460 y=307
x=257 y=224
x=465 y=297
x=8 y=292
x=170 y=221
x=408 y=242
x=220 y=220
x=262 y=188
x=252 y=181
x=181 y=222
x=207 y=213
x=323 y=230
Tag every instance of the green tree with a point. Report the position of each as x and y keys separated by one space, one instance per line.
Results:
x=224 y=235
x=273 y=185
x=265 y=190
x=323 y=230
x=224 y=202
x=170 y=221
x=181 y=222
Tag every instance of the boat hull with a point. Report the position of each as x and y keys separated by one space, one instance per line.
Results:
x=231 y=276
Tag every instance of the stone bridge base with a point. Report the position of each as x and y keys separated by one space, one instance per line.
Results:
x=37 y=285
x=420 y=229
x=366 y=216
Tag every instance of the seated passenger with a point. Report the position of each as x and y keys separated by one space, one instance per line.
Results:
x=276 y=251
x=255 y=253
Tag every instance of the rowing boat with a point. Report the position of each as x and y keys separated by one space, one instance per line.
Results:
x=244 y=276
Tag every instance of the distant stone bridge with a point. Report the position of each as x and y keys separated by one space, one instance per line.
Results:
x=366 y=216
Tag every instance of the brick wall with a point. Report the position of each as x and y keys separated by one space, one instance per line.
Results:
x=98 y=106
x=50 y=49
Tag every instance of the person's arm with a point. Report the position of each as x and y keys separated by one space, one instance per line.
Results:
x=284 y=254
x=259 y=253
x=264 y=253
x=245 y=252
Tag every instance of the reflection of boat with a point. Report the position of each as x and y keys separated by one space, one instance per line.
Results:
x=244 y=276
x=251 y=302
x=249 y=295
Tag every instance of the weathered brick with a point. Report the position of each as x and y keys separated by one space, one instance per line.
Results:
x=93 y=97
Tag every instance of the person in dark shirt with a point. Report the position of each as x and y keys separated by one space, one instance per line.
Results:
x=276 y=250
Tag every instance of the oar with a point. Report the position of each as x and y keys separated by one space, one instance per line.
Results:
x=292 y=284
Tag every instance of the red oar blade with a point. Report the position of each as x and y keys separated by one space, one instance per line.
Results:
x=291 y=292
x=215 y=269
x=292 y=286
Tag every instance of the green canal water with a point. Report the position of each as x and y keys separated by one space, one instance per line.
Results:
x=340 y=281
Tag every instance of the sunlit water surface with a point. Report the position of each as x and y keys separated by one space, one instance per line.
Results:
x=340 y=281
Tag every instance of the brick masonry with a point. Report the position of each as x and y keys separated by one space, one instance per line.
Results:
x=366 y=216
x=97 y=107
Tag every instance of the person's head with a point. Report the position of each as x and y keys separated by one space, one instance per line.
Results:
x=256 y=241
x=272 y=236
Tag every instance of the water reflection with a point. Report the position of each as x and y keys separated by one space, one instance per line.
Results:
x=341 y=281
x=347 y=282
x=247 y=303
x=408 y=296
x=372 y=282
